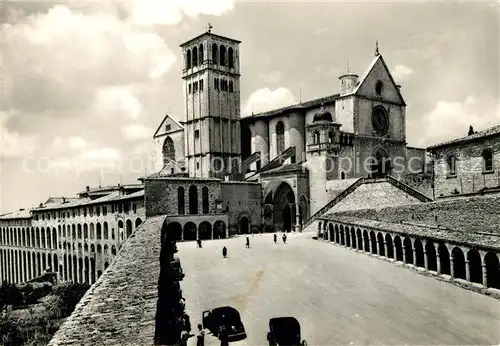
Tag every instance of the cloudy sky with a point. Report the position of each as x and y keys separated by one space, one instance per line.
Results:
x=85 y=84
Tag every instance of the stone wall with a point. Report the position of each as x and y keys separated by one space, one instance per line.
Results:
x=160 y=197
x=422 y=182
x=242 y=200
x=470 y=176
x=479 y=214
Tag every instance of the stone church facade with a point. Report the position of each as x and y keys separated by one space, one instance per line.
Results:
x=292 y=160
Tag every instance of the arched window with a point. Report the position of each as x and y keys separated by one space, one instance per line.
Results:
x=193 y=200
x=201 y=54
x=215 y=52
x=342 y=175
x=315 y=137
x=180 y=201
x=195 y=56
x=280 y=137
x=487 y=160
x=168 y=150
x=230 y=57
x=331 y=137
x=223 y=55
x=204 y=193
x=188 y=59
x=452 y=162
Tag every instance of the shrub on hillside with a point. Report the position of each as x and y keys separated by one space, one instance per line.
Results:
x=69 y=295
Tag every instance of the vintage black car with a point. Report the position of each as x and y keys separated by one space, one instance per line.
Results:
x=284 y=331
x=228 y=318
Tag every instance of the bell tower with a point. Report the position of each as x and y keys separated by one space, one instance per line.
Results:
x=211 y=80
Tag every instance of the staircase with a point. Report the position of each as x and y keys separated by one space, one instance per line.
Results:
x=278 y=160
x=409 y=190
x=238 y=173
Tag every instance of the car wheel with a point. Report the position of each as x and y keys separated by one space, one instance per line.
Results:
x=304 y=343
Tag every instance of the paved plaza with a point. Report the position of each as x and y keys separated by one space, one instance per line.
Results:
x=340 y=297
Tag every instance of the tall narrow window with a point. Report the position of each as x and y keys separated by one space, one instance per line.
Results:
x=180 y=201
x=168 y=150
x=230 y=57
x=193 y=200
x=280 y=137
x=222 y=55
x=487 y=160
x=188 y=59
x=204 y=193
x=215 y=53
x=201 y=55
x=316 y=137
x=452 y=162
x=195 y=56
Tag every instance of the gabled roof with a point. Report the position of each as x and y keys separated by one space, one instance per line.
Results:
x=162 y=123
x=369 y=69
x=21 y=214
x=495 y=130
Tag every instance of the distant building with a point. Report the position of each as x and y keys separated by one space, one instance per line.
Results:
x=467 y=165
x=76 y=237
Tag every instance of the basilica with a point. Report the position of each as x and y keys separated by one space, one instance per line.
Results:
x=276 y=169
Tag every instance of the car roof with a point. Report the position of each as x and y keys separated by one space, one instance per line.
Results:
x=226 y=309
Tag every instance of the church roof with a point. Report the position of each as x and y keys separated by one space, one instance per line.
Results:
x=495 y=130
x=303 y=106
x=323 y=115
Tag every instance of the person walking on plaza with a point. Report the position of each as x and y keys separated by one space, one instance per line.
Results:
x=275 y=238
x=248 y=243
x=200 y=338
x=198 y=241
x=224 y=252
x=284 y=238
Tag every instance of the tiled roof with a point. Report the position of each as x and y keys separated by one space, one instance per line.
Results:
x=299 y=106
x=21 y=214
x=113 y=188
x=120 y=308
x=495 y=130
x=286 y=168
x=176 y=178
x=490 y=241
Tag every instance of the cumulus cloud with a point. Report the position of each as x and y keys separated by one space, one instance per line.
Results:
x=449 y=120
x=71 y=142
x=401 y=72
x=266 y=99
x=14 y=144
x=117 y=101
x=136 y=131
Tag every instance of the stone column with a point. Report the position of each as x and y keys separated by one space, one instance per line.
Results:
x=404 y=253
x=426 y=260
x=467 y=271
x=414 y=257
x=438 y=259
x=452 y=267
x=298 y=228
x=16 y=272
x=485 y=276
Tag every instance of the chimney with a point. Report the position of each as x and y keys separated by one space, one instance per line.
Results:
x=40 y=205
x=64 y=199
x=87 y=188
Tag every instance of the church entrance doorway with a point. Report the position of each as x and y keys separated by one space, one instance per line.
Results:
x=244 y=225
x=284 y=208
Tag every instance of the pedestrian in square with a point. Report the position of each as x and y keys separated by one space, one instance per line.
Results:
x=248 y=242
x=200 y=337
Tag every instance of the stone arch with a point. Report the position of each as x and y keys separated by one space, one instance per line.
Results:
x=373 y=242
x=342 y=235
x=205 y=231
x=347 y=236
x=353 y=238
x=487 y=156
x=284 y=207
x=85 y=231
x=222 y=55
x=390 y=246
x=419 y=253
x=106 y=230
x=79 y=230
x=380 y=241
x=99 y=232
x=138 y=222
x=189 y=231
x=215 y=53
x=408 y=250
x=92 y=248
x=201 y=54
x=120 y=229
x=475 y=266
x=492 y=266
x=360 y=239
x=99 y=249
x=220 y=230
x=444 y=259
x=366 y=240
x=193 y=199
x=244 y=225
x=168 y=150
x=331 y=231
x=172 y=229
x=105 y=250
x=458 y=263
x=430 y=250
x=188 y=59
x=195 y=56
x=129 y=228
x=280 y=137
x=113 y=250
